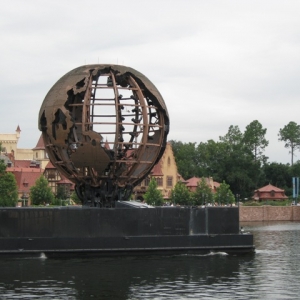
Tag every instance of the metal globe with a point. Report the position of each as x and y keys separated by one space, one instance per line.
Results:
x=104 y=128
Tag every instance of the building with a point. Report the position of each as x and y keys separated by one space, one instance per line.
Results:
x=25 y=178
x=23 y=160
x=269 y=192
x=165 y=173
x=192 y=183
x=9 y=142
x=55 y=179
x=39 y=153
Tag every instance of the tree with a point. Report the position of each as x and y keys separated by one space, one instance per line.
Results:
x=181 y=194
x=186 y=158
x=74 y=197
x=153 y=195
x=203 y=194
x=290 y=134
x=254 y=139
x=234 y=136
x=223 y=194
x=238 y=166
x=8 y=187
x=63 y=192
x=41 y=193
x=279 y=175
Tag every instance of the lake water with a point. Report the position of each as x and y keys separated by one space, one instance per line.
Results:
x=273 y=272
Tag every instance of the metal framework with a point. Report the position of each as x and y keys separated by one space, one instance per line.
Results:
x=104 y=128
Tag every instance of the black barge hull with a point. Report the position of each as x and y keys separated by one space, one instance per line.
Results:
x=118 y=231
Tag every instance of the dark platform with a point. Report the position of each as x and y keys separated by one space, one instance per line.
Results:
x=76 y=230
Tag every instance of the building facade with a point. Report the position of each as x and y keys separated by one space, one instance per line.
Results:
x=269 y=192
x=164 y=172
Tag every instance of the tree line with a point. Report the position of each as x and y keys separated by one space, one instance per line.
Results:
x=182 y=196
x=238 y=159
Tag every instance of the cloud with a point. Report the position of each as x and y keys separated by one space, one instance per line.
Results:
x=216 y=63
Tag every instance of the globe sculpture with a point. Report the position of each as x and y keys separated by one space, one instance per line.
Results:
x=104 y=128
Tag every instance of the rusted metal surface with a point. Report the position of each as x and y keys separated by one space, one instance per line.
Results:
x=104 y=128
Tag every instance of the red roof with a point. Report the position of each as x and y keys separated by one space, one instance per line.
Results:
x=22 y=163
x=192 y=181
x=156 y=171
x=49 y=165
x=269 y=188
x=269 y=192
x=40 y=144
x=25 y=177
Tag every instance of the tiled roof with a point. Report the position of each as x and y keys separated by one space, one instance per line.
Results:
x=25 y=177
x=22 y=163
x=156 y=171
x=40 y=144
x=269 y=188
x=194 y=181
x=49 y=165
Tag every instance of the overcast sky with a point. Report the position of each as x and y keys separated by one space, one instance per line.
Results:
x=216 y=63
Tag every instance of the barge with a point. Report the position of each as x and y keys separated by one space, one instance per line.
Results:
x=124 y=230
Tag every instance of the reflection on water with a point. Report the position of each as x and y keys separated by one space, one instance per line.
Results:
x=271 y=273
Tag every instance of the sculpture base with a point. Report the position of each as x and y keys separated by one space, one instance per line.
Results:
x=121 y=231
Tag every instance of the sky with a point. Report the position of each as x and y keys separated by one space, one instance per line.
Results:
x=216 y=63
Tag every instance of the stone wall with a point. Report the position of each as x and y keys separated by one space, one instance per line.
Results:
x=269 y=213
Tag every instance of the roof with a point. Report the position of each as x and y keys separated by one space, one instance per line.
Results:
x=269 y=188
x=50 y=165
x=157 y=171
x=22 y=163
x=40 y=144
x=25 y=177
x=192 y=181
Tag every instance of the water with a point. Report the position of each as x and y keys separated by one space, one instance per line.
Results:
x=273 y=272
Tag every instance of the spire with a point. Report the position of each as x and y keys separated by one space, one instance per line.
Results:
x=18 y=131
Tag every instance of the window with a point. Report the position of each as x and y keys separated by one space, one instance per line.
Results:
x=169 y=161
x=169 y=181
x=159 y=181
x=147 y=181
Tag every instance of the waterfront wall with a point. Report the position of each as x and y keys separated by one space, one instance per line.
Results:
x=269 y=213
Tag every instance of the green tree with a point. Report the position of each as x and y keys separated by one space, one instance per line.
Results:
x=295 y=169
x=233 y=137
x=181 y=194
x=41 y=193
x=8 y=187
x=279 y=175
x=203 y=194
x=153 y=195
x=223 y=194
x=212 y=159
x=186 y=158
x=240 y=170
x=62 y=192
x=75 y=198
x=254 y=139
x=290 y=134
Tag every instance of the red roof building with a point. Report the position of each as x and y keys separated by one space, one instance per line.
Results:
x=192 y=183
x=269 y=192
x=26 y=178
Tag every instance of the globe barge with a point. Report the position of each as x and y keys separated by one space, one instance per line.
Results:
x=66 y=231
x=85 y=106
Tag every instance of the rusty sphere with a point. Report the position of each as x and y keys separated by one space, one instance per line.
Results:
x=104 y=128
